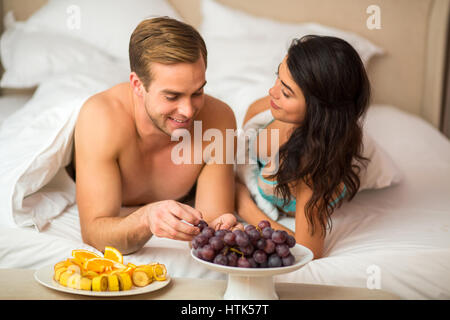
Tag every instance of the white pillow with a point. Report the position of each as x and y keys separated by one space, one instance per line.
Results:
x=381 y=171
x=103 y=23
x=244 y=52
x=31 y=57
x=220 y=21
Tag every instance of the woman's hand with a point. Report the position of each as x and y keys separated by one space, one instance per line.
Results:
x=226 y=221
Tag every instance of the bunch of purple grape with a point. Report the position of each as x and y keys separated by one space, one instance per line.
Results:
x=256 y=247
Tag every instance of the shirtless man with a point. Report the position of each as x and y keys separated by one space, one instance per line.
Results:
x=128 y=188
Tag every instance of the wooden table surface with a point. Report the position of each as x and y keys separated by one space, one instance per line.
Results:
x=19 y=284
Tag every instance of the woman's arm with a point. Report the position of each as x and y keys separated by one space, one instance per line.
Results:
x=302 y=228
x=249 y=211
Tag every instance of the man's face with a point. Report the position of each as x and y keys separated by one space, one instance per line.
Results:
x=175 y=95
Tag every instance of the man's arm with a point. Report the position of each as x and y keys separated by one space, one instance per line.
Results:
x=98 y=141
x=98 y=183
x=215 y=191
x=215 y=184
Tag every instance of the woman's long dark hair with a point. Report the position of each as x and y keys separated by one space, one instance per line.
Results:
x=326 y=149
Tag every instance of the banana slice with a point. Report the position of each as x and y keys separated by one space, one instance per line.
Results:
x=142 y=276
x=100 y=283
x=86 y=284
x=63 y=279
x=125 y=282
x=113 y=282
x=59 y=272
x=74 y=281
x=74 y=268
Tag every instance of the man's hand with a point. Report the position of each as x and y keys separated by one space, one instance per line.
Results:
x=226 y=221
x=164 y=218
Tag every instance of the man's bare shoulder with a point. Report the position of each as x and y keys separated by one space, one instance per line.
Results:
x=217 y=114
x=104 y=119
x=256 y=107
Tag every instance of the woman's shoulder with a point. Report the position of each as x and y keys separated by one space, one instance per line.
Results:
x=256 y=107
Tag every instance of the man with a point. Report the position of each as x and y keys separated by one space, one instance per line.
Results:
x=128 y=188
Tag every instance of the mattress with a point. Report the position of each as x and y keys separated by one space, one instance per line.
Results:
x=398 y=236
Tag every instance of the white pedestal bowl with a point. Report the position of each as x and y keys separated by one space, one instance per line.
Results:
x=256 y=283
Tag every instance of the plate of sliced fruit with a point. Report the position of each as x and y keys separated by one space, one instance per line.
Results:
x=87 y=273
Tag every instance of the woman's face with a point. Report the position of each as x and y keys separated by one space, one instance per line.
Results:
x=287 y=103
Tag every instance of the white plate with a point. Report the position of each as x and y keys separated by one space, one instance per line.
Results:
x=302 y=256
x=45 y=277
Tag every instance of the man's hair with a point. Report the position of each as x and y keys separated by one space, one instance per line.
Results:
x=163 y=40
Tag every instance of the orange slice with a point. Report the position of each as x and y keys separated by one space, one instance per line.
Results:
x=62 y=264
x=59 y=265
x=59 y=272
x=113 y=254
x=89 y=274
x=129 y=270
x=75 y=261
x=83 y=255
x=101 y=265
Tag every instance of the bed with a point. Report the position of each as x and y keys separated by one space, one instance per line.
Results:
x=393 y=236
x=11 y=103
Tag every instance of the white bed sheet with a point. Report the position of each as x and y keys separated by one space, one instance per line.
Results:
x=11 y=103
x=401 y=231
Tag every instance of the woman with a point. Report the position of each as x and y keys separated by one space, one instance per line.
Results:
x=320 y=94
